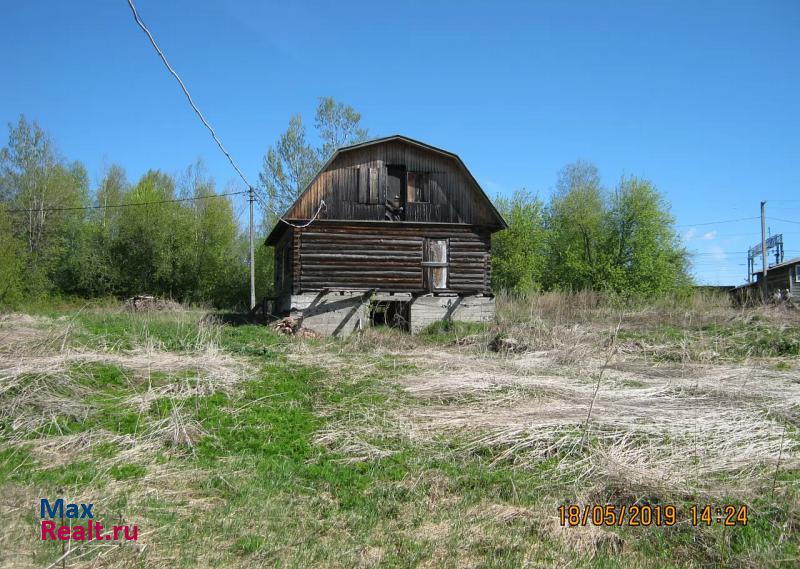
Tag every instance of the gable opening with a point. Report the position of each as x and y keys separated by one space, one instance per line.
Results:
x=395 y=202
x=367 y=182
x=415 y=187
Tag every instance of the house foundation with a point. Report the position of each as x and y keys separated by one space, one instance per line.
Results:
x=328 y=313
x=342 y=313
x=425 y=310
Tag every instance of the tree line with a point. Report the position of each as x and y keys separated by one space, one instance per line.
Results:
x=167 y=235
x=63 y=239
x=172 y=236
x=587 y=237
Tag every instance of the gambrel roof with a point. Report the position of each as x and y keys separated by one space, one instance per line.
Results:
x=462 y=200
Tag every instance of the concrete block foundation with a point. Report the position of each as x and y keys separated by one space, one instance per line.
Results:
x=342 y=313
x=425 y=310
x=330 y=314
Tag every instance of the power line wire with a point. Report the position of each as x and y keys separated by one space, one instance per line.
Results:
x=227 y=154
x=186 y=92
x=784 y=220
x=718 y=222
x=77 y=208
x=707 y=253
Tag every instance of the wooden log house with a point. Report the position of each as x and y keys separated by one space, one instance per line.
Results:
x=403 y=238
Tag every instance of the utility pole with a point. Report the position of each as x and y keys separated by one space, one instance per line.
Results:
x=253 y=261
x=763 y=249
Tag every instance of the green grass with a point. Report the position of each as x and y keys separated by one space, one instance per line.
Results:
x=122 y=331
x=127 y=471
x=101 y=377
x=733 y=341
x=16 y=464
x=259 y=489
x=78 y=474
x=105 y=450
x=448 y=331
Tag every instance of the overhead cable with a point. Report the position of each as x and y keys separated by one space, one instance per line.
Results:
x=77 y=208
x=216 y=138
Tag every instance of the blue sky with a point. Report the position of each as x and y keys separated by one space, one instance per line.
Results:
x=702 y=98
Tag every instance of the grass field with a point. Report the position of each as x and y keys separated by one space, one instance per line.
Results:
x=229 y=445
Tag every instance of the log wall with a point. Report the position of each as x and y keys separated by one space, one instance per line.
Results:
x=387 y=257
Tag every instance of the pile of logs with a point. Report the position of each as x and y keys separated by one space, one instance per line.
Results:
x=149 y=303
x=293 y=327
x=507 y=345
x=286 y=326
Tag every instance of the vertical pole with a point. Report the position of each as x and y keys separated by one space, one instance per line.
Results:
x=252 y=256
x=763 y=250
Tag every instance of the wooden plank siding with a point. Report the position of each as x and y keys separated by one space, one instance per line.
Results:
x=779 y=278
x=451 y=193
x=794 y=284
x=387 y=257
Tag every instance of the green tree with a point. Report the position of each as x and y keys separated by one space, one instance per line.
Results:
x=576 y=229
x=110 y=193
x=290 y=165
x=152 y=245
x=646 y=251
x=35 y=178
x=215 y=245
x=586 y=239
x=518 y=253
x=12 y=262
x=338 y=125
x=90 y=268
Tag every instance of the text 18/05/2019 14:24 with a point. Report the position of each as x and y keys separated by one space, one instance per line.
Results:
x=651 y=515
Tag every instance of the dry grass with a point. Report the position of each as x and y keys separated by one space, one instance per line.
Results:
x=51 y=384
x=678 y=434
x=673 y=428
x=36 y=390
x=451 y=433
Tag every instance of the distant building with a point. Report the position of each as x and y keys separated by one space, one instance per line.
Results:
x=783 y=283
x=404 y=238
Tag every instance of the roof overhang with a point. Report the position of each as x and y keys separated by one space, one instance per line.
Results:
x=281 y=227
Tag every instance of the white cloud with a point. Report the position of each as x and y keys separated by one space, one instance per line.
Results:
x=689 y=234
x=717 y=253
x=710 y=235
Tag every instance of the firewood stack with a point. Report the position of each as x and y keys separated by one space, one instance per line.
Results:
x=293 y=327
x=286 y=326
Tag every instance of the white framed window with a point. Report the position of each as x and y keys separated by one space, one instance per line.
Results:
x=797 y=273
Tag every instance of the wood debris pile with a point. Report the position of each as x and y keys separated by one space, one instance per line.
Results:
x=293 y=327
x=148 y=303
x=507 y=345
